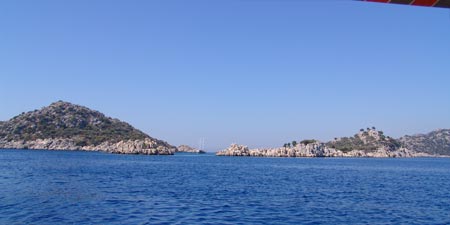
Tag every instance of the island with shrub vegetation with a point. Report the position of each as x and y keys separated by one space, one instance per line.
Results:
x=66 y=126
x=366 y=143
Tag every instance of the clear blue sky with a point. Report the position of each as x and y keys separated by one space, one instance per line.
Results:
x=257 y=72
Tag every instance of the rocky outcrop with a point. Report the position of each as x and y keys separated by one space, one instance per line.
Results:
x=235 y=150
x=65 y=126
x=189 y=149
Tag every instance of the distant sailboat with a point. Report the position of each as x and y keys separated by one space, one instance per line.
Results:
x=201 y=146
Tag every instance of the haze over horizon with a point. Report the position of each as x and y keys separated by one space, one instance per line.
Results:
x=259 y=73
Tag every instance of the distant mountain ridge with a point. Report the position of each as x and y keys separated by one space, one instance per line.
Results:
x=435 y=142
x=66 y=126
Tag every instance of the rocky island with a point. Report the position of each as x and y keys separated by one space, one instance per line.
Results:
x=366 y=143
x=66 y=126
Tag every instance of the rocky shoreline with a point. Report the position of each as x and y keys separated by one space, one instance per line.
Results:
x=146 y=146
x=318 y=150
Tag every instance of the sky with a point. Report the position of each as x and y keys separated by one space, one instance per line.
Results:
x=255 y=72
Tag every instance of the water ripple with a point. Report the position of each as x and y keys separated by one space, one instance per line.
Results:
x=43 y=187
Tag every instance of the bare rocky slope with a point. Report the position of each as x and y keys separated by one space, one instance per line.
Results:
x=366 y=143
x=66 y=126
x=435 y=142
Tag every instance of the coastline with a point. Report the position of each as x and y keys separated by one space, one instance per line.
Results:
x=146 y=146
x=215 y=154
x=320 y=150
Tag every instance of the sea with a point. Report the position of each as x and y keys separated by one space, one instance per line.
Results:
x=74 y=187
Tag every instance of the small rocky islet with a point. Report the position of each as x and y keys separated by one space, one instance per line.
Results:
x=66 y=126
x=189 y=149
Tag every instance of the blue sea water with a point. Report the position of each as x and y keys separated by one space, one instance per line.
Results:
x=63 y=187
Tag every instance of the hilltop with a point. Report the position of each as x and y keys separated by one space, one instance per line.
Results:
x=368 y=140
x=66 y=126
